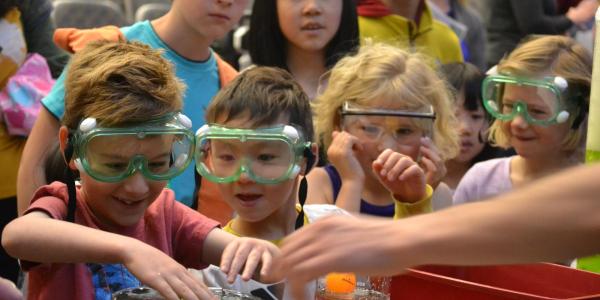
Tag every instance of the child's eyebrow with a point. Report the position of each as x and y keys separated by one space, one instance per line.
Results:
x=119 y=156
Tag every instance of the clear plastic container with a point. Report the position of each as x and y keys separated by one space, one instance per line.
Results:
x=367 y=288
x=146 y=293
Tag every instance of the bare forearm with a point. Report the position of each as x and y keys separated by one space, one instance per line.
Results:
x=214 y=244
x=32 y=168
x=553 y=219
x=45 y=240
x=349 y=196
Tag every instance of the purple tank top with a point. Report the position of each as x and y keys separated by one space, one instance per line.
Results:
x=365 y=207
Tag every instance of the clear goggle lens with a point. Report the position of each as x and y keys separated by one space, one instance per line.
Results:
x=404 y=130
x=539 y=102
x=265 y=161
x=158 y=156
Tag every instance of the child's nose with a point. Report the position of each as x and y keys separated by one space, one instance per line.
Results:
x=245 y=178
x=519 y=122
x=136 y=184
x=312 y=7
x=464 y=128
x=387 y=141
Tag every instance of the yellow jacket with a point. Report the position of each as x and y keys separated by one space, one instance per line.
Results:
x=429 y=37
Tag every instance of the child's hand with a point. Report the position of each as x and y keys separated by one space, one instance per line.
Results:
x=400 y=175
x=249 y=253
x=432 y=163
x=341 y=154
x=162 y=273
x=8 y=290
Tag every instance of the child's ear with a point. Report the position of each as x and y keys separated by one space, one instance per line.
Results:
x=63 y=139
x=314 y=150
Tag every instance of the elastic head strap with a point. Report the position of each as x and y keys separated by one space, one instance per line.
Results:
x=302 y=191
x=72 y=203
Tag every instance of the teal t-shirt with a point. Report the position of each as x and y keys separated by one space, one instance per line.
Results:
x=201 y=79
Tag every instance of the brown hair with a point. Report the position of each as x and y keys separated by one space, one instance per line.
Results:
x=120 y=83
x=265 y=93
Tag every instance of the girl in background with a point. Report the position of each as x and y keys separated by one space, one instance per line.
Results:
x=465 y=80
x=539 y=98
x=305 y=37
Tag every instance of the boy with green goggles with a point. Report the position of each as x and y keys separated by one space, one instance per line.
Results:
x=267 y=155
x=113 y=154
x=538 y=101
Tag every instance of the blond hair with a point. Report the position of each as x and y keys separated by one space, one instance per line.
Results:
x=120 y=83
x=560 y=56
x=384 y=72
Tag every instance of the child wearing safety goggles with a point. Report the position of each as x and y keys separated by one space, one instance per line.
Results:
x=123 y=134
x=257 y=147
x=539 y=97
x=386 y=122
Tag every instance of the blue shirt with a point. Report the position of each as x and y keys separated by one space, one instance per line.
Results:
x=201 y=79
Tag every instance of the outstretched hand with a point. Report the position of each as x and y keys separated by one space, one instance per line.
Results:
x=162 y=273
x=339 y=244
x=248 y=254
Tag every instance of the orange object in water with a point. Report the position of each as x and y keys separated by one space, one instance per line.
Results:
x=341 y=283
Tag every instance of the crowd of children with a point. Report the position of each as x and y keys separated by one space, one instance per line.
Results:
x=158 y=143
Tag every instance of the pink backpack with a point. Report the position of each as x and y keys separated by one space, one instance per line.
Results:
x=20 y=100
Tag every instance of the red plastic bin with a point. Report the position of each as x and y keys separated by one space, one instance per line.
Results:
x=533 y=281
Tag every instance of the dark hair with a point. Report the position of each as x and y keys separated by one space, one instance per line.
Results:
x=266 y=93
x=267 y=45
x=7 y=5
x=55 y=166
x=468 y=77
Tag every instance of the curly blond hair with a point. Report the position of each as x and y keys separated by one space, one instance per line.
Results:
x=385 y=76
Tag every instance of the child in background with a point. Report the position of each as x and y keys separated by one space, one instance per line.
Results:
x=383 y=102
x=305 y=37
x=257 y=147
x=465 y=80
x=123 y=133
x=408 y=24
x=539 y=98
x=185 y=34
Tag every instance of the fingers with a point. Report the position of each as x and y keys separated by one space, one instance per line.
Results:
x=389 y=165
x=267 y=264
x=343 y=144
x=247 y=254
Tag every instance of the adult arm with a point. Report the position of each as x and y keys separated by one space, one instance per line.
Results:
x=553 y=219
x=32 y=167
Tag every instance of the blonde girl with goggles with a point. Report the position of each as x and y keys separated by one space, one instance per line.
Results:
x=539 y=97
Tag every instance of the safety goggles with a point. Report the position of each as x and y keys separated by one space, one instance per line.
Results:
x=159 y=149
x=265 y=155
x=539 y=102
x=406 y=127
